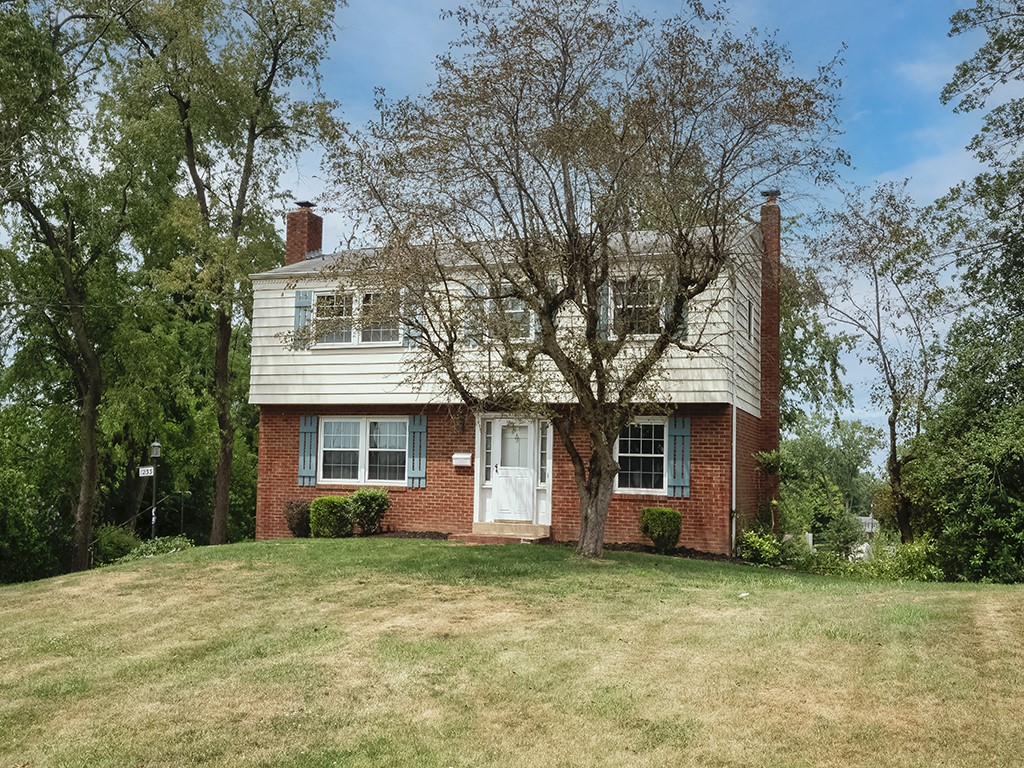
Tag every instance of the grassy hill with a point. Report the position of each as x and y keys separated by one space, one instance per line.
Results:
x=390 y=652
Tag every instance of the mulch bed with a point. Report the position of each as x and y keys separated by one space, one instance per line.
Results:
x=693 y=554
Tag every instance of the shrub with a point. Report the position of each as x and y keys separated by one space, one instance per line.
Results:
x=760 y=548
x=113 y=542
x=368 y=507
x=796 y=554
x=662 y=526
x=296 y=513
x=25 y=551
x=330 y=517
x=163 y=545
x=904 y=562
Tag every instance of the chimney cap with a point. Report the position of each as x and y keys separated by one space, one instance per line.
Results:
x=303 y=204
x=770 y=194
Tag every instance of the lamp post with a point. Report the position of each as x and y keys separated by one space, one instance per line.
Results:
x=154 y=455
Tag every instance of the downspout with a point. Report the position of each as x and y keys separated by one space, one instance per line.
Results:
x=732 y=385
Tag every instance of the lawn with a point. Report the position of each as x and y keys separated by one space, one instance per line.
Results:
x=398 y=652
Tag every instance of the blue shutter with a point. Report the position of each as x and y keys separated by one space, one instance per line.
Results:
x=303 y=308
x=681 y=331
x=416 y=464
x=411 y=335
x=307 y=450
x=679 y=457
x=603 y=311
x=475 y=292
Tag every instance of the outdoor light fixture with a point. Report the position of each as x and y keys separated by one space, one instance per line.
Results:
x=154 y=454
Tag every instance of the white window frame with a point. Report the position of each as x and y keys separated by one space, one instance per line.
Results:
x=364 y=451
x=356 y=337
x=352 y=331
x=510 y=306
x=663 y=489
x=614 y=309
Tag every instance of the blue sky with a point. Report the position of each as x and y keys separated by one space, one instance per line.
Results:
x=897 y=58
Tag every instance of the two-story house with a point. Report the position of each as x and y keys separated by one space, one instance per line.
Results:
x=341 y=413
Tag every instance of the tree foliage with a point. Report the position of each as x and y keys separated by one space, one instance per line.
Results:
x=219 y=79
x=811 y=367
x=968 y=477
x=564 y=143
x=888 y=287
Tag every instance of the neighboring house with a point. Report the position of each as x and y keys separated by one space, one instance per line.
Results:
x=341 y=414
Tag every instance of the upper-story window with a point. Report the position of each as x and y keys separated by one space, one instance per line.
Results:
x=638 y=306
x=337 y=316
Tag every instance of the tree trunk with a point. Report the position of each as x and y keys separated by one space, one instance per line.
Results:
x=900 y=503
x=222 y=394
x=89 y=445
x=595 y=500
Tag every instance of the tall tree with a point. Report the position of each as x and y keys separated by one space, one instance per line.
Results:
x=223 y=76
x=970 y=474
x=64 y=194
x=511 y=197
x=888 y=287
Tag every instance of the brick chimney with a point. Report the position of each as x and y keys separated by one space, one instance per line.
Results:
x=771 y=224
x=771 y=382
x=305 y=234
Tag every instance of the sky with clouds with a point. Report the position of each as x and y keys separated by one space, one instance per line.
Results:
x=896 y=53
x=897 y=56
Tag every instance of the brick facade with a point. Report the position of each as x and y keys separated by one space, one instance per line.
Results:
x=446 y=504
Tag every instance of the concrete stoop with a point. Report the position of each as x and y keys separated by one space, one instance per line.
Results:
x=504 y=533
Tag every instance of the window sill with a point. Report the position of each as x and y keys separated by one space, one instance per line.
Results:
x=365 y=483
x=652 y=492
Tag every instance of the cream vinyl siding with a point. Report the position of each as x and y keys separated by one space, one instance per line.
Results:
x=379 y=374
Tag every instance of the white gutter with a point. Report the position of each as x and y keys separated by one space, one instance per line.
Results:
x=732 y=382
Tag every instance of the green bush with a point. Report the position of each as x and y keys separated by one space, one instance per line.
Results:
x=112 y=543
x=163 y=545
x=662 y=526
x=25 y=551
x=296 y=513
x=904 y=562
x=368 y=506
x=796 y=554
x=330 y=517
x=760 y=548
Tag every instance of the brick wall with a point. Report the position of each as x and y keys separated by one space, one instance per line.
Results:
x=446 y=504
x=705 y=513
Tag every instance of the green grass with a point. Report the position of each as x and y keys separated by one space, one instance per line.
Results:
x=388 y=652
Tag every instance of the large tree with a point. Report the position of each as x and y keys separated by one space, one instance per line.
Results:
x=221 y=80
x=64 y=193
x=888 y=287
x=511 y=198
x=970 y=472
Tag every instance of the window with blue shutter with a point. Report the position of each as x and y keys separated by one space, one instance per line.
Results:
x=678 y=457
x=417 y=452
x=307 y=450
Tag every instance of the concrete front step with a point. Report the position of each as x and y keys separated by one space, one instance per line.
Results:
x=512 y=528
x=489 y=538
x=504 y=533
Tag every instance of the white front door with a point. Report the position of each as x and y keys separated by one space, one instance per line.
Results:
x=514 y=475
